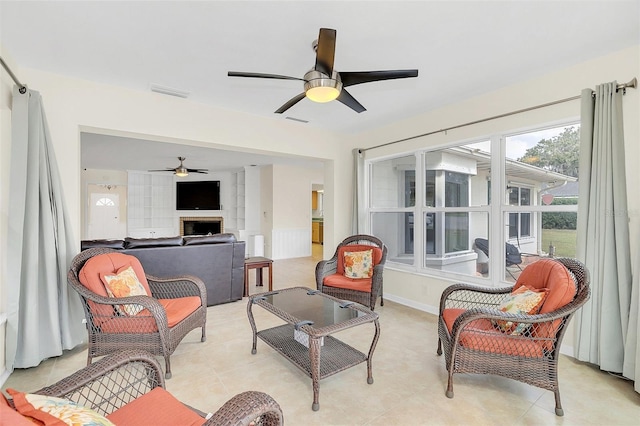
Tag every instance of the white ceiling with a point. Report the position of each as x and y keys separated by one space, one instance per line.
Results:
x=461 y=49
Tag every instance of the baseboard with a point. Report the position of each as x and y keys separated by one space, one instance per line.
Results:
x=4 y=376
x=564 y=349
x=412 y=304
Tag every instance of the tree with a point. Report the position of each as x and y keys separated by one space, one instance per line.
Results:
x=558 y=154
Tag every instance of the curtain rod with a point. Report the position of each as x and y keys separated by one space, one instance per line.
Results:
x=633 y=84
x=22 y=89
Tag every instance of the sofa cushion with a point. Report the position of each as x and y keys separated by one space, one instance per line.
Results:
x=376 y=251
x=358 y=264
x=113 y=244
x=209 y=239
x=340 y=281
x=56 y=411
x=158 y=408
x=152 y=242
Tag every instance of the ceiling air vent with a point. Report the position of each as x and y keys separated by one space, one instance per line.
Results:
x=299 y=120
x=169 y=91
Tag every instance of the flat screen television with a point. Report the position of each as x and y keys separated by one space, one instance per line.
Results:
x=198 y=195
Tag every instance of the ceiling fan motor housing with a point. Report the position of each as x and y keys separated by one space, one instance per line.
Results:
x=320 y=87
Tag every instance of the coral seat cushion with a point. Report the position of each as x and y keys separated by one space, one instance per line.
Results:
x=376 y=252
x=481 y=335
x=158 y=408
x=143 y=322
x=340 y=281
x=9 y=416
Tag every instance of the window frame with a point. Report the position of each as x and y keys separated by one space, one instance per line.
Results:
x=496 y=212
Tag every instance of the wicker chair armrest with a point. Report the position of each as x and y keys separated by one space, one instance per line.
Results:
x=111 y=382
x=469 y=296
x=176 y=287
x=244 y=408
x=376 y=278
x=148 y=302
x=324 y=268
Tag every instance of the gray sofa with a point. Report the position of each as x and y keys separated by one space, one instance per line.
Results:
x=216 y=259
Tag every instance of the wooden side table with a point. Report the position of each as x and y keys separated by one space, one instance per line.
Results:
x=257 y=263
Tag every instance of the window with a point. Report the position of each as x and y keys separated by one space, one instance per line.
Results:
x=519 y=223
x=460 y=201
x=393 y=199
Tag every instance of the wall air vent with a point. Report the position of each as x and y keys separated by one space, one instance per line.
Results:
x=299 y=120
x=169 y=91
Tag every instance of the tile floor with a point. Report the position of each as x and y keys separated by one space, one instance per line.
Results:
x=410 y=379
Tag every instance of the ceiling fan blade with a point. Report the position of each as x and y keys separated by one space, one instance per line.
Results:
x=198 y=170
x=325 y=52
x=261 y=75
x=359 y=77
x=346 y=98
x=162 y=170
x=291 y=102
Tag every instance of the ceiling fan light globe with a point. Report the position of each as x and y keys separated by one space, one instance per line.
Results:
x=319 y=87
x=182 y=172
x=322 y=94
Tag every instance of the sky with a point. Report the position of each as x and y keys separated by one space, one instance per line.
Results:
x=518 y=144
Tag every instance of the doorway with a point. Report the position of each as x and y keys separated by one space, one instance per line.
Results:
x=106 y=212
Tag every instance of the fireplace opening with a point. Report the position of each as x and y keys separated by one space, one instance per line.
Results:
x=200 y=226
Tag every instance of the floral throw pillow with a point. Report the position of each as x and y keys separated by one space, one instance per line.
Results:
x=125 y=283
x=55 y=411
x=358 y=264
x=524 y=300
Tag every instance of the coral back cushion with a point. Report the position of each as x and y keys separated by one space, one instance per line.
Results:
x=552 y=275
x=109 y=264
x=376 y=251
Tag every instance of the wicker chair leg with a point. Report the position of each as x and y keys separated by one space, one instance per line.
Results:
x=559 y=410
x=167 y=374
x=449 y=391
x=439 y=347
x=204 y=335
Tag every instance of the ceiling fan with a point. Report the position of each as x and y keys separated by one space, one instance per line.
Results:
x=181 y=170
x=323 y=83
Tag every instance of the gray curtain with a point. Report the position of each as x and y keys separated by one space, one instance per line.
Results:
x=358 y=218
x=43 y=317
x=603 y=232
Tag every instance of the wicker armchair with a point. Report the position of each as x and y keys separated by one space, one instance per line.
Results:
x=329 y=273
x=473 y=343
x=119 y=379
x=153 y=329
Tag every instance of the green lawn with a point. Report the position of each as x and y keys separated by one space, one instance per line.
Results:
x=563 y=239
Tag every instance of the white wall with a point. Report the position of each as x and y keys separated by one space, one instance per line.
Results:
x=424 y=292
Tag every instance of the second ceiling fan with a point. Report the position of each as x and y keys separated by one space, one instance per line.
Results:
x=323 y=83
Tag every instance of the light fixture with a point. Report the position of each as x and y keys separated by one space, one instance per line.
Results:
x=320 y=88
x=182 y=171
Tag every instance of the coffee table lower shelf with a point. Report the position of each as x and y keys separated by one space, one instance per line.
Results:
x=335 y=356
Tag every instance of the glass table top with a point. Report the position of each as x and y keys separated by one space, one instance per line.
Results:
x=311 y=305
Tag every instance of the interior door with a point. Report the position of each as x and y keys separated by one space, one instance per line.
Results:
x=106 y=212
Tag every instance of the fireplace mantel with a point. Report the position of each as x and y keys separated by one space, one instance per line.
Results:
x=197 y=225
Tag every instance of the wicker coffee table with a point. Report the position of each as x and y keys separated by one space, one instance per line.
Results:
x=305 y=340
